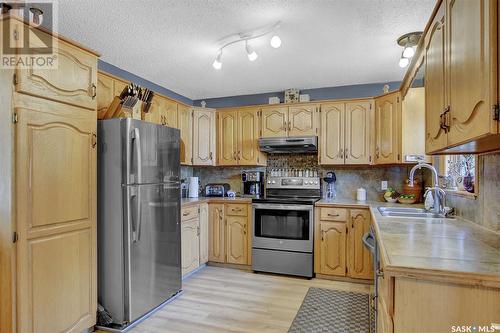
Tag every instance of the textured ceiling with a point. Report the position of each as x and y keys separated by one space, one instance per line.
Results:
x=173 y=43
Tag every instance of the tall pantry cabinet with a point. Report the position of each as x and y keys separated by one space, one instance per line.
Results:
x=48 y=190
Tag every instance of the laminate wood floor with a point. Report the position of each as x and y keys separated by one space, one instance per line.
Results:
x=230 y=300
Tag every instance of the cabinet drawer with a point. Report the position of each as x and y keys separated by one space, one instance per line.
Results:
x=189 y=213
x=236 y=209
x=333 y=214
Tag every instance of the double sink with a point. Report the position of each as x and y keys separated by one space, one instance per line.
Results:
x=408 y=212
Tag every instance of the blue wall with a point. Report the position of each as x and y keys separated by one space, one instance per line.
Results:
x=127 y=76
x=342 y=92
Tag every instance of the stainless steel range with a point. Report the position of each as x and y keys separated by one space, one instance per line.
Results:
x=283 y=226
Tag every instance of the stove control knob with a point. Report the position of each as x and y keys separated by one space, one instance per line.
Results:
x=274 y=182
x=316 y=182
x=269 y=182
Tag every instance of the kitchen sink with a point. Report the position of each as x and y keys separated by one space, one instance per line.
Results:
x=408 y=212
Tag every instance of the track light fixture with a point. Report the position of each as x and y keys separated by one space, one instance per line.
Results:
x=245 y=37
x=409 y=42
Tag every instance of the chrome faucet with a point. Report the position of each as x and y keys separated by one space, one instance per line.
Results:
x=439 y=193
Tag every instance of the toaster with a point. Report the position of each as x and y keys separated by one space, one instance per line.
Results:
x=217 y=190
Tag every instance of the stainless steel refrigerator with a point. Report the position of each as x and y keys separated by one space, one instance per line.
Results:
x=138 y=217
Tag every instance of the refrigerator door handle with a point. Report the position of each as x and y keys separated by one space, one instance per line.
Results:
x=135 y=193
x=136 y=137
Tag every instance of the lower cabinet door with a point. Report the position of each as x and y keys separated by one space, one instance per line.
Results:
x=203 y=233
x=236 y=245
x=56 y=254
x=360 y=261
x=216 y=233
x=190 y=241
x=333 y=248
x=384 y=320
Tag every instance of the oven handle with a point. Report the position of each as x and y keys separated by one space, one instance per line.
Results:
x=283 y=207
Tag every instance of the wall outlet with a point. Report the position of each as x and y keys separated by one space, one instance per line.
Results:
x=384 y=185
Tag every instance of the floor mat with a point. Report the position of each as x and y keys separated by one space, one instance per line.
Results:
x=326 y=310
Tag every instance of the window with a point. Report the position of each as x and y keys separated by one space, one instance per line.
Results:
x=459 y=174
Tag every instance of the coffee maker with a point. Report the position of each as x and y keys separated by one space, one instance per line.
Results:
x=253 y=183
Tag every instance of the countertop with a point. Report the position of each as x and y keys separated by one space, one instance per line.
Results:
x=440 y=248
x=194 y=201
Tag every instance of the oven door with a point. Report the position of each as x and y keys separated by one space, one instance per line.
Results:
x=283 y=227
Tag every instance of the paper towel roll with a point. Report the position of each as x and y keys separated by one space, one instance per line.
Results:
x=193 y=187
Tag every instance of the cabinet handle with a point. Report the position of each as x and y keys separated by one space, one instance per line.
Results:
x=94 y=140
x=235 y=157
x=245 y=229
x=377 y=154
x=341 y=153
x=211 y=156
x=289 y=126
x=333 y=215
x=237 y=209
x=185 y=214
x=239 y=153
x=198 y=230
x=94 y=91
x=322 y=235
x=346 y=152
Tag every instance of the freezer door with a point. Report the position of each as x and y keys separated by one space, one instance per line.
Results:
x=153 y=246
x=152 y=153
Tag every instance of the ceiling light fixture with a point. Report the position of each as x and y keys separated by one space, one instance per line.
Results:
x=276 y=41
x=217 y=62
x=252 y=55
x=409 y=42
x=246 y=37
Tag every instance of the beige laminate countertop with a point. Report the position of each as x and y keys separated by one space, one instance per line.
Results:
x=438 y=248
x=194 y=201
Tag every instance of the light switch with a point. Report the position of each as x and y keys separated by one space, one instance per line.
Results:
x=384 y=185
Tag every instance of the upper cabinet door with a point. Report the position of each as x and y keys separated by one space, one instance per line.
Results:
x=248 y=135
x=204 y=137
x=472 y=68
x=74 y=81
x=56 y=218
x=358 y=132
x=435 y=83
x=153 y=114
x=169 y=110
x=274 y=122
x=105 y=94
x=186 y=129
x=332 y=133
x=303 y=120
x=228 y=137
x=386 y=128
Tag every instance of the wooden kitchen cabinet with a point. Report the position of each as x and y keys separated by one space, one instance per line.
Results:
x=303 y=120
x=190 y=243
x=387 y=128
x=346 y=133
x=358 y=132
x=204 y=233
x=360 y=264
x=236 y=239
x=56 y=217
x=274 y=122
x=332 y=133
x=216 y=233
x=238 y=134
x=435 y=82
x=332 y=248
x=228 y=138
x=169 y=112
x=460 y=48
x=204 y=136
x=186 y=129
x=105 y=93
x=338 y=245
x=74 y=81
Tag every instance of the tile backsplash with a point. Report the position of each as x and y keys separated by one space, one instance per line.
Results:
x=349 y=178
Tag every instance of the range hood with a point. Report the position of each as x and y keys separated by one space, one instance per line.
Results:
x=288 y=145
